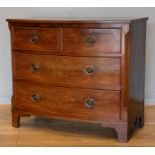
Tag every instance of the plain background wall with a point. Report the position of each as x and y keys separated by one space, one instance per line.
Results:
x=5 y=52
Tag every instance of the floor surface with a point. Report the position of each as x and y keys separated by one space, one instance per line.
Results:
x=36 y=131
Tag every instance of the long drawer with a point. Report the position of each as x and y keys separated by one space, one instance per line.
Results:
x=84 y=72
x=84 y=103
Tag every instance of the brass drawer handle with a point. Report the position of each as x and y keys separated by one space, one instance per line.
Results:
x=90 y=41
x=35 y=98
x=89 y=70
x=34 y=67
x=33 y=39
x=90 y=102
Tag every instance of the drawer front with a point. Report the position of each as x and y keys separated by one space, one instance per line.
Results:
x=83 y=103
x=86 y=72
x=91 y=41
x=39 y=39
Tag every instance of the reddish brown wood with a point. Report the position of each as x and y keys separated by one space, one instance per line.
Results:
x=16 y=114
x=47 y=39
x=122 y=133
x=124 y=72
x=69 y=71
x=69 y=101
x=116 y=85
x=106 y=40
x=15 y=118
x=137 y=74
x=99 y=22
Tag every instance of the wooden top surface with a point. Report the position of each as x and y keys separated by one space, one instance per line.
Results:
x=79 y=20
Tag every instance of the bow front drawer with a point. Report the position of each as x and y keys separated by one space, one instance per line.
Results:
x=68 y=102
x=87 y=72
x=36 y=39
x=91 y=42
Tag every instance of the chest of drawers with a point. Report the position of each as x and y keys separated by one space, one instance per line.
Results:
x=89 y=70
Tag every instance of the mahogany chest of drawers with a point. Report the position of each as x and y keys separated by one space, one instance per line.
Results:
x=89 y=70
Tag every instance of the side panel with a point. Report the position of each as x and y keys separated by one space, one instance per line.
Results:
x=137 y=74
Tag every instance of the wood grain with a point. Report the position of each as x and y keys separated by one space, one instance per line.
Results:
x=69 y=71
x=68 y=102
x=40 y=131
x=47 y=39
x=59 y=53
x=106 y=40
x=137 y=73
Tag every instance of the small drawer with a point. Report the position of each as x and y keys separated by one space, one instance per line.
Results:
x=36 y=39
x=91 y=42
x=70 y=102
x=85 y=72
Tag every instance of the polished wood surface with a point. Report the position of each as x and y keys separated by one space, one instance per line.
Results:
x=77 y=20
x=69 y=71
x=105 y=40
x=68 y=102
x=39 y=131
x=93 y=59
x=137 y=74
x=36 y=39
